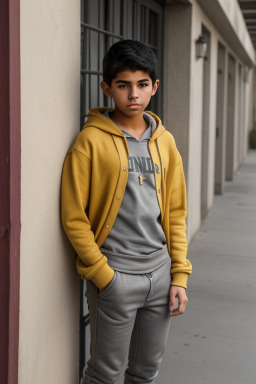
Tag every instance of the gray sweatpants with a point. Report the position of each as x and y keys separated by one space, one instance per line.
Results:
x=131 y=314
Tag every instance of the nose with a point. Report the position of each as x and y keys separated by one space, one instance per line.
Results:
x=133 y=94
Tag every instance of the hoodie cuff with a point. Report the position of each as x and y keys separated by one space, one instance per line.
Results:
x=180 y=279
x=103 y=276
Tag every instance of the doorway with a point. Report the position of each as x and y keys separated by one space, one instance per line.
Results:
x=220 y=122
x=205 y=125
x=230 y=139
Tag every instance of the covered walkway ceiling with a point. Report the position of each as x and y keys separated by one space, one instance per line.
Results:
x=248 y=8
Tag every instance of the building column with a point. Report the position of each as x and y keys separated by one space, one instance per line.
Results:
x=177 y=66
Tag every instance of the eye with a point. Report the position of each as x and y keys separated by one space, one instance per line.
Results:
x=122 y=86
x=142 y=85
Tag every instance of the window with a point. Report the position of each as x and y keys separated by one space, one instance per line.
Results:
x=104 y=22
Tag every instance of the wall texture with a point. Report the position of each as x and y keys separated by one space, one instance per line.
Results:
x=177 y=76
x=184 y=92
x=49 y=288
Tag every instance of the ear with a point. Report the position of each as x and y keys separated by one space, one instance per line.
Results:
x=106 y=89
x=155 y=87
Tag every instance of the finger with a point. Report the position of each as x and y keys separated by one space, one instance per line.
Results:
x=171 y=303
x=182 y=307
x=175 y=313
x=179 y=311
x=171 y=307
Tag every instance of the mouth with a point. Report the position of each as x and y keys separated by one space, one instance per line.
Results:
x=133 y=106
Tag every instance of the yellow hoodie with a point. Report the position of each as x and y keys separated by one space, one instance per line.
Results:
x=94 y=179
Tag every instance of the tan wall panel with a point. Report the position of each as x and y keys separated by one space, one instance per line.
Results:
x=195 y=117
x=49 y=291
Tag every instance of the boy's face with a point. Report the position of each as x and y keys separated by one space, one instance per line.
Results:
x=131 y=91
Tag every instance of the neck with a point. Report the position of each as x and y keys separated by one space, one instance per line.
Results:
x=135 y=123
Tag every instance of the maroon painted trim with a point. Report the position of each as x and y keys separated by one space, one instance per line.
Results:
x=9 y=188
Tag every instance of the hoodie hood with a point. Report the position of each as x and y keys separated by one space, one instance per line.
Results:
x=98 y=120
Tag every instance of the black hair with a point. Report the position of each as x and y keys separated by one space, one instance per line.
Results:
x=129 y=55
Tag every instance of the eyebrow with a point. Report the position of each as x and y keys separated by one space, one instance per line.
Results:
x=128 y=82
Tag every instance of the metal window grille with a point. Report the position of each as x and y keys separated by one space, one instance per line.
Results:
x=104 y=22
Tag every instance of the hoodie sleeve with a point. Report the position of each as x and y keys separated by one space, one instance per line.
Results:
x=181 y=267
x=75 y=191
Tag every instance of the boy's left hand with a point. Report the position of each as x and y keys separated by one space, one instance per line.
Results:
x=180 y=293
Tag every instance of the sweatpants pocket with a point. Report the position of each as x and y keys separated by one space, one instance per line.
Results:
x=109 y=287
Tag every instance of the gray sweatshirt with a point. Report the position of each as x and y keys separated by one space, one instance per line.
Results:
x=137 y=234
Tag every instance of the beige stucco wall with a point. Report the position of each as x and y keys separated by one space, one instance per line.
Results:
x=50 y=83
x=177 y=76
x=183 y=93
x=49 y=286
x=195 y=118
x=195 y=121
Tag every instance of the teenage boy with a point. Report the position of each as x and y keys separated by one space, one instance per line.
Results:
x=124 y=209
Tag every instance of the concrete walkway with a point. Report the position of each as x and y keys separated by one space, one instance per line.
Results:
x=215 y=340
